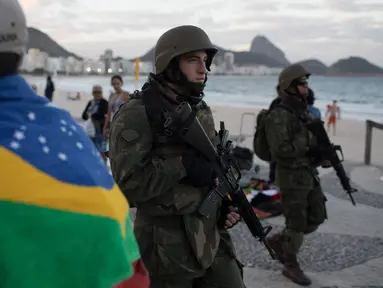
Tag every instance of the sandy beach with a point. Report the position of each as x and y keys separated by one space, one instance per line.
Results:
x=350 y=134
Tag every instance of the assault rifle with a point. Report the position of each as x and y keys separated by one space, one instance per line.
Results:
x=183 y=123
x=329 y=152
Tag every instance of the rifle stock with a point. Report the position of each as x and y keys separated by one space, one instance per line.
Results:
x=228 y=173
x=330 y=153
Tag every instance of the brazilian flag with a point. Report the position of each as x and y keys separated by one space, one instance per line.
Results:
x=64 y=223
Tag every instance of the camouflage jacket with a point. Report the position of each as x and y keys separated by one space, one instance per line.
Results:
x=289 y=142
x=150 y=176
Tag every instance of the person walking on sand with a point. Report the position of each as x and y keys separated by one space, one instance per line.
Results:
x=291 y=146
x=116 y=99
x=333 y=114
x=95 y=112
x=49 y=89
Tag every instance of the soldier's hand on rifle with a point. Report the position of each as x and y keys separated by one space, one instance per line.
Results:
x=200 y=172
x=232 y=217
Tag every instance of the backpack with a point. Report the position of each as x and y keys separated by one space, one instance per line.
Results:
x=260 y=144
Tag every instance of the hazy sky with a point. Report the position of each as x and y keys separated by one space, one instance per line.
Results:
x=323 y=29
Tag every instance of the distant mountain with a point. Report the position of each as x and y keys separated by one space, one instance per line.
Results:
x=354 y=66
x=148 y=56
x=262 y=45
x=314 y=66
x=262 y=52
x=41 y=41
x=241 y=58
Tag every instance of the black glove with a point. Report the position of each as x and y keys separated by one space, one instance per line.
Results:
x=223 y=213
x=200 y=172
x=316 y=154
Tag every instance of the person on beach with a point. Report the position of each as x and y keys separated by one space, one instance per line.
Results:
x=166 y=179
x=95 y=110
x=333 y=114
x=116 y=99
x=64 y=222
x=315 y=112
x=75 y=98
x=49 y=88
x=294 y=149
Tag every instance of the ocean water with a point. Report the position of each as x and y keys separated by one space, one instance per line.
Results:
x=359 y=97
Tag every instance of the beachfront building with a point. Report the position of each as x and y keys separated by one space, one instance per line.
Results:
x=217 y=69
x=145 y=67
x=93 y=67
x=275 y=71
x=107 y=59
x=246 y=70
x=73 y=66
x=128 y=66
x=256 y=70
x=35 y=61
x=97 y=67
x=87 y=65
x=55 y=65
x=116 y=66
x=228 y=59
x=27 y=66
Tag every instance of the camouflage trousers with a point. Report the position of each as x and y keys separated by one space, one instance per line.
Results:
x=225 y=272
x=304 y=211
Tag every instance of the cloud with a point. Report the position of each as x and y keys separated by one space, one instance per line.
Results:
x=28 y=4
x=326 y=29
x=43 y=4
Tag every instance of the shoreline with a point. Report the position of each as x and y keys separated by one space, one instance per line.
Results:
x=251 y=107
x=348 y=75
x=351 y=108
x=256 y=109
x=350 y=134
x=63 y=93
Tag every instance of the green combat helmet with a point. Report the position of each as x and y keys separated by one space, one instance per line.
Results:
x=291 y=73
x=181 y=40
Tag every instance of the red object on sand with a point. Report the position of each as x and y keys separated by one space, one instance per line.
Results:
x=261 y=214
x=139 y=279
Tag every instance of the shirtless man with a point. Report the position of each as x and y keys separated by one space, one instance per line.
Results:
x=333 y=114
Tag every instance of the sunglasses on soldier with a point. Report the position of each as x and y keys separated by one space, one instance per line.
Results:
x=302 y=81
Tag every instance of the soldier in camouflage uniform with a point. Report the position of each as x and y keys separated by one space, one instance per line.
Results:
x=291 y=146
x=167 y=180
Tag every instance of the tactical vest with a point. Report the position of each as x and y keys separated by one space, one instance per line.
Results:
x=157 y=110
x=182 y=198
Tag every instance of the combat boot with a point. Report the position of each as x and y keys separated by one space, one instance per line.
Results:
x=293 y=271
x=276 y=243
